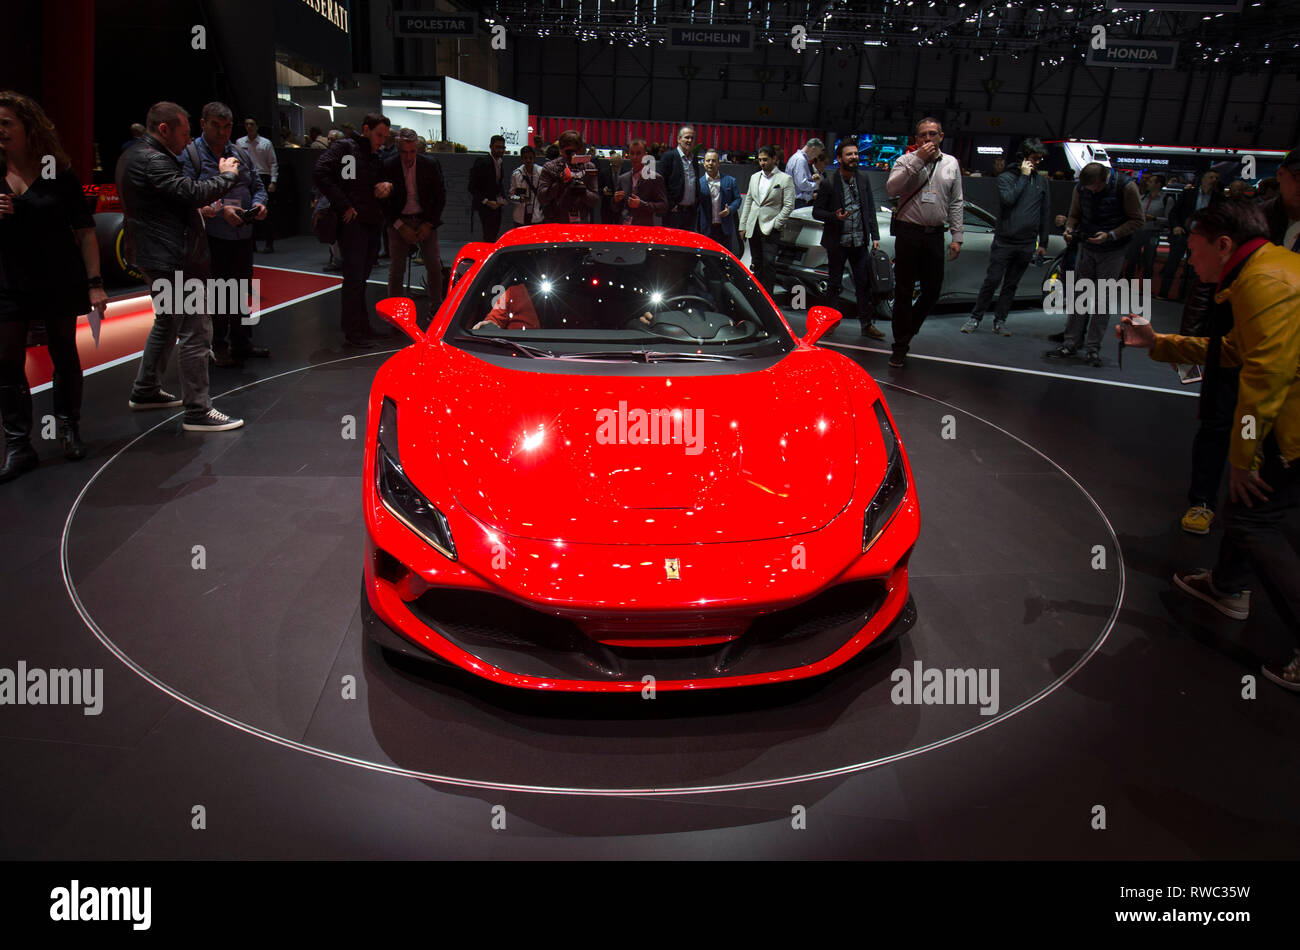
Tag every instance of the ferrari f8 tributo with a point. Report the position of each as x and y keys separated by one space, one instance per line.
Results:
x=609 y=458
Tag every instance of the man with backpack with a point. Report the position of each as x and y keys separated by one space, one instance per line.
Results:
x=1106 y=211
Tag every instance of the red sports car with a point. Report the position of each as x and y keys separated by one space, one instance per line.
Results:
x=609 y=463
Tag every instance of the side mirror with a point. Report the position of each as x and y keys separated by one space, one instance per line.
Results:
x=400 y=312
x=820 y=322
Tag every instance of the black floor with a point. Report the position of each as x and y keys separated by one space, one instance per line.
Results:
x=229 y=687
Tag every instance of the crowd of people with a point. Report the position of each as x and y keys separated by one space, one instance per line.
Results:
x=194 y=207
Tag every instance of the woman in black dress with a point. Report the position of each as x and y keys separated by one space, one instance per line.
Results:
x=49 y=270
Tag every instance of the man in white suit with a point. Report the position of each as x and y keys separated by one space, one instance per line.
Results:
x=767 y=205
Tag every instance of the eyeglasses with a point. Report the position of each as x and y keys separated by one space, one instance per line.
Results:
x=929 y=135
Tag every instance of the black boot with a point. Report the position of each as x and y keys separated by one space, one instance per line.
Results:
x=16 y=408
x=70 y=438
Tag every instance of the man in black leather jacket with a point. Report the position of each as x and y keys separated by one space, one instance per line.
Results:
x=166 y=240
x=351 y=177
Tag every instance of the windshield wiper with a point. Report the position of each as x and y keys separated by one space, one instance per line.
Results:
x=646 y=356
x=532 y=352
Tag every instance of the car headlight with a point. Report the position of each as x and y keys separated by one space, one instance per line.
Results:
x=893 y=489
x=399 y=495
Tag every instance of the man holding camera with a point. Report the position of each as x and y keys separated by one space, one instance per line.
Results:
x=229 y=223
x=1105 y=213
x=567 y=187
x=523 y=189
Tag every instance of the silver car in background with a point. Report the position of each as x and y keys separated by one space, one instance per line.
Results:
x=801 y=259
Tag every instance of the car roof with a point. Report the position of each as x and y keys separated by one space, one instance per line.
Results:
x=605 y=233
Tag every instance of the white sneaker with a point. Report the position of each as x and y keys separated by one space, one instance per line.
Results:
x=213 y=421
x=1199 y=584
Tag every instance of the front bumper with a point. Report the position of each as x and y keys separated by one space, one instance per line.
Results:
x=516 y=646
x=417 y=602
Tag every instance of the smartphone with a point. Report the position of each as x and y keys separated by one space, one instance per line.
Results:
x=248 y=214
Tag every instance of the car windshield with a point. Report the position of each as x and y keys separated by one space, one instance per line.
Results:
x=619 y=301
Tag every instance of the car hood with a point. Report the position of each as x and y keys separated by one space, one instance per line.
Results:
x=602 y=456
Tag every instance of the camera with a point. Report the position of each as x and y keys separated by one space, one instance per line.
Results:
x=581 y=165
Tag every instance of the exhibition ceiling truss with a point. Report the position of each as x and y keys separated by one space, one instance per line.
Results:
x=1258 y=38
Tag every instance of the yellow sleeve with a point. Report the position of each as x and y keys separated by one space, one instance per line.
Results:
x=1265 y=341
x=1172 y=348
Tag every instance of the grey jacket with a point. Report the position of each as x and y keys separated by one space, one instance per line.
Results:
x=1025 y=212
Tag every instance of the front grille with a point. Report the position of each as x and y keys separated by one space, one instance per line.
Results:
x=528 y=642
x=844 y=603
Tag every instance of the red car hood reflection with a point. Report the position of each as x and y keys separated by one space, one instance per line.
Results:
x=616 y=459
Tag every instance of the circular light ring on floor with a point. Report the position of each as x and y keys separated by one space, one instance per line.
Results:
x=251 y=730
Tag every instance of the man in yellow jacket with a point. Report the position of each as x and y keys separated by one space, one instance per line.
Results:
x=1228 y=244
